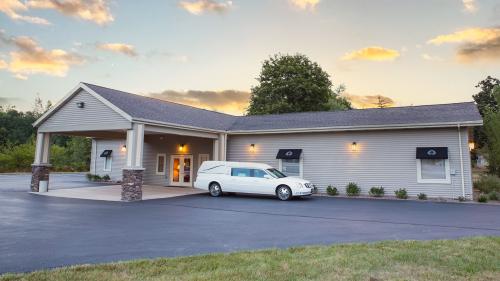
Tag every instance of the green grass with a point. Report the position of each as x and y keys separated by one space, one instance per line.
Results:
x=464 y=259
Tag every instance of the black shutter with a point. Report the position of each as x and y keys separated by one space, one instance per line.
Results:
x=106 y=153
x=432 y=152
x=289 y=154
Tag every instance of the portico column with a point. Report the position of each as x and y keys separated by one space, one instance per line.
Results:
x=41 y=165
x=134 y=170
x=222 y=146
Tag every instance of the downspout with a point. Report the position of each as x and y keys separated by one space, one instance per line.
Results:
x=461 y=159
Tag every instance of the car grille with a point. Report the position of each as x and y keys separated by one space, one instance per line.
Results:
x=309 y=185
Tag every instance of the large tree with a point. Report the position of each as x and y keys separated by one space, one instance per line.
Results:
x=293 y=83
x=492 y=131
x=486 y=102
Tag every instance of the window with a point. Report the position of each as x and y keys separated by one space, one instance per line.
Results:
x=433 y=171
x=256 y=173
x=291 y=167
x=160 y=164
x=107 y=163
x=240 y=172
x=276 y=173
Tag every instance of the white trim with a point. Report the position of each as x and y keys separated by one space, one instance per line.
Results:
x=447 y=180
x=110 y=164
x=301 y=166
x=204 y=155
x=461 y=159
x=181 y=160
x=158 y=162
x=175 y=126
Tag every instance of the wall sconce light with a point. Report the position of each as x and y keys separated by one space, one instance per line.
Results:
x=252 y=147
x=80 y=104
x=124 y=148
x=181 y=147
x=354 y=146
x=472 y=145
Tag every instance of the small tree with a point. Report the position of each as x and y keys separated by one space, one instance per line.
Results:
x=492 y=131
x=383 y=102
x=293 y=83
x=486 y=102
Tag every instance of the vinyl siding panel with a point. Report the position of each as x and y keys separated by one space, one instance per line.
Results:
x=118 y=158
x=93 y=117
x=383 y=158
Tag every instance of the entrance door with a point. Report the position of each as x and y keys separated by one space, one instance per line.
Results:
x=181 y=170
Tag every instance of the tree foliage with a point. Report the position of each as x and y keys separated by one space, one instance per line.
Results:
x=492 y=131
x=486 y=102
x=293 y=83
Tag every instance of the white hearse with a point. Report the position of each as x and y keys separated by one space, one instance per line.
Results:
x=240 y=177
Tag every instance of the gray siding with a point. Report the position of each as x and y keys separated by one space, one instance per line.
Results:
x=153 y=145
x=383 y=158
x=94 y=116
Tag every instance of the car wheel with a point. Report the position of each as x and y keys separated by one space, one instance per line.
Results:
x=284 y=193
x=215 y=190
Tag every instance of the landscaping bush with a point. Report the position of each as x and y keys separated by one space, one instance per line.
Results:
x=401 y=193
x=377 y=191
x=488 y=183
x=332 y=190
x=89 y=176
x=493 y=196
x=352 y=189
x=422 y=196
x=482 y=198
x=96 y=178
x=461 y=199
x=106 y=178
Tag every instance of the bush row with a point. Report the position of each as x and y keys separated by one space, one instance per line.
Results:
x=352 y=189
x=92 y=177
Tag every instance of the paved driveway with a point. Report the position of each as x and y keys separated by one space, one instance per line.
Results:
x=21 y=182
x=39 y=232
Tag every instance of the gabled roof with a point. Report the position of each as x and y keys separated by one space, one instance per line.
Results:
x=149 y=110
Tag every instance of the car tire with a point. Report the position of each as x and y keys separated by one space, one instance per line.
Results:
x=284 y=193
x=215 y=190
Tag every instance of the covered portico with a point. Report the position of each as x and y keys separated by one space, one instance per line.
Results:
x=101 y=115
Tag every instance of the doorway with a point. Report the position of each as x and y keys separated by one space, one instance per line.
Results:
x=181 y=170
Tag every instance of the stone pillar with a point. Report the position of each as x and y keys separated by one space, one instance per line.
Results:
x=132 y=185
x=39 y=173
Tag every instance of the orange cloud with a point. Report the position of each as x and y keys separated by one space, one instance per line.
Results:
x=374 y=53
x=200 y=6
x=227 y=101
x=125 y=49
x=3 y=64
x=11 y=8
x=469 y=35
x=92 y=10
x=305 y=4
x=370 y=101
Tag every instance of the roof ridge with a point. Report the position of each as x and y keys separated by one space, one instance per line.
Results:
x=160 y=100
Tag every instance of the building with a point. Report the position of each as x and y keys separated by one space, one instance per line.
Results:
x=137 y=139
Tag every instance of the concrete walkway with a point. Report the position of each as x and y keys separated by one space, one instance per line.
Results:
x=113 y=192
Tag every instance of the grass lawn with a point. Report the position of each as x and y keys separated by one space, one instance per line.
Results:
x=464 y=259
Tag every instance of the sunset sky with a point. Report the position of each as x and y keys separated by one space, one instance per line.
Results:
x=208 y=53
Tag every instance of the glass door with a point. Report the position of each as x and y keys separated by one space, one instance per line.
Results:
x=181 y=170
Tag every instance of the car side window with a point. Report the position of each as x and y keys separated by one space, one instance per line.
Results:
x=240 y=172
x=256 y=173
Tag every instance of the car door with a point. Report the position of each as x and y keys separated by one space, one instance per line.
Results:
x=240 y=180
x=261 y=182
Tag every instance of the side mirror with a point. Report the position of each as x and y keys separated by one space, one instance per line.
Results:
x=268 y=177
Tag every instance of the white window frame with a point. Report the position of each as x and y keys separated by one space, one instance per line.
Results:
x=447 y=170
x=110 y=164
x=301 y=166
x=164 y=163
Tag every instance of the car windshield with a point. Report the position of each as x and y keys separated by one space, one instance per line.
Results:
x=276 y=173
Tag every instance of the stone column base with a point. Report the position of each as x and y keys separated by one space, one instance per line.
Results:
x=132 y=184
x=39 y=173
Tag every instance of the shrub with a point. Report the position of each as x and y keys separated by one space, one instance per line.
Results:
x=89 y=176
x=401 y=193
x=488 y=183
x=352 y=189
x=422 y=196
x=332 y=190
x=377 y=191
x=96 y=178
x=106 y=178
x=493 y=196
x=461 y=199
x=482 y=198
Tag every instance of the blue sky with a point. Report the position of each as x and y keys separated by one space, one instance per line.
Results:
x=208 y=53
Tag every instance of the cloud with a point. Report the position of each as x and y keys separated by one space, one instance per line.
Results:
x=125 y=49
x=3 y=64
x=201 y=6
x=11 y=8
x=476 y=44
x=309 y=5
x=228 y=101
x=29 y=58
x=373 y=53
x=370 y=101
x=91 y=10
x=470 y=6
x=428 y=57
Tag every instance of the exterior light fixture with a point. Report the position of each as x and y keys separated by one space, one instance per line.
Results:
x=472 y=145
x=354 y=146
x=252 y=147
x=181 y=147
x=124 y=148
x=80 y=104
